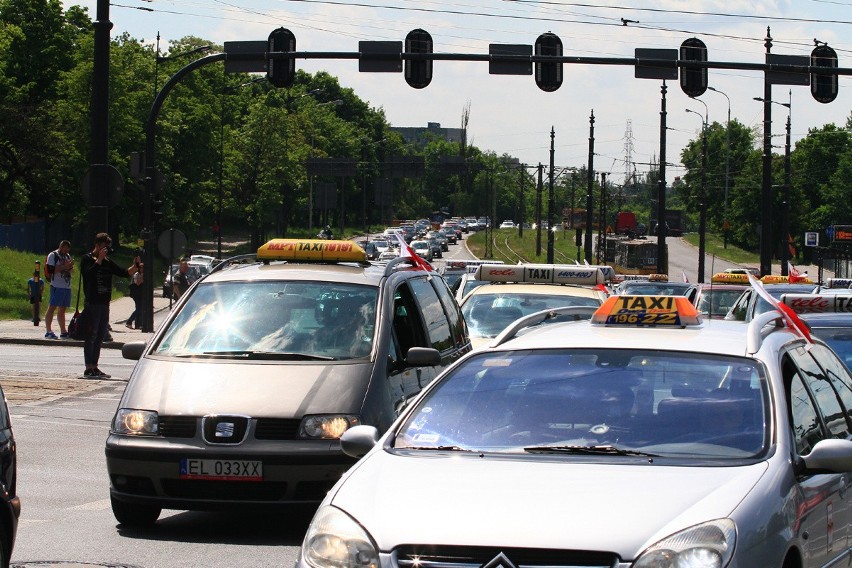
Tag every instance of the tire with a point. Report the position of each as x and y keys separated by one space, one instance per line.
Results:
x=134 y=515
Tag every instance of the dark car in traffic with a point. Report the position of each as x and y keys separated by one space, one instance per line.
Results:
x=10 y=503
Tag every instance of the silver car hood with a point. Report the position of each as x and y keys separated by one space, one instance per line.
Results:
x=269 y=389
x=472 y=501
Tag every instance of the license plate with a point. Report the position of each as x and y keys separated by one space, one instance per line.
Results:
x=222 y=470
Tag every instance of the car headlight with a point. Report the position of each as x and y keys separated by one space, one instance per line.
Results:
x=136 y=422
x=335 y=540
x=708 y=545
x=327 y=426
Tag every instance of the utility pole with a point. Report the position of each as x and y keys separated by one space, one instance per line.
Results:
x=662 y=261
x=538 y=192
x=587 y=247
x=99 y=144
x=785 y=211
x=550 y=203
x=766 y=186
x=602 y=222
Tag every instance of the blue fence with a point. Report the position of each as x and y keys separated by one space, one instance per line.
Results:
x=28 y=237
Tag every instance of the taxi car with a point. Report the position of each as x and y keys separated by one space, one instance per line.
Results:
x=656 y=285
x=717 y=298
x=644 y=438
x=828 y=316
x=750 y=304
x=240 y=397
x=516 y=290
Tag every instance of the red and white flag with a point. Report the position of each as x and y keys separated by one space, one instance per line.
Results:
x=793 y=275
x=790 y=317
x=408 y=252
x=683 y=275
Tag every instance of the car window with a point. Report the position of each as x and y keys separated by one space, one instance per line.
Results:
x=451 y=308
x=803 y=416
x=437 y=325
x=489 y=314
x=836 y=373
x=839 y=339
x=665 y=403
x=313 y=319
x=823 y=393
x=407 y=322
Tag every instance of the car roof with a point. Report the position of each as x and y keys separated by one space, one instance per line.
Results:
x=494 y=288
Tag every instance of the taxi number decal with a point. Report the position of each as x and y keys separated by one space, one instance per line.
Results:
x=643 y=318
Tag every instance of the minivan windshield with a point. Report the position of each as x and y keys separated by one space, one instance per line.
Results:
x=612 y=402
x=274 y=320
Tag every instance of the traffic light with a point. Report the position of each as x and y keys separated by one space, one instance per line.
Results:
x=823 y=87
x=281 y=72
x=418 y=74
x=548 y=75
x=156 y=209
x=693 y=80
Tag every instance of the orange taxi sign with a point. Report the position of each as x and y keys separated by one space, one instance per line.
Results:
x=729 y=278
x=311 y=250
x=640 y=311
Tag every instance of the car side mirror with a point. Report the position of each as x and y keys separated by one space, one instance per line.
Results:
x=423 y=357
x=832 y=454
x=133 y=350
x=359 y=440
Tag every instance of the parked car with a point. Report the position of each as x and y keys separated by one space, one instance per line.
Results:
x=10 y=503
x=241 y=396
x=507 y=225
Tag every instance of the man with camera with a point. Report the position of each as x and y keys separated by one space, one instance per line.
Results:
x=97 y=270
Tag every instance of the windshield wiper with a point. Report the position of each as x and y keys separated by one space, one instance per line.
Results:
x=587 y=450
x=268 y=355
x=441 y=448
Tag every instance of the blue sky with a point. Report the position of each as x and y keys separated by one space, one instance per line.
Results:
x=509 y=114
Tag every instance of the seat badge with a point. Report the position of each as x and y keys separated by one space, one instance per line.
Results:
x=499 y=561
x=225 y=430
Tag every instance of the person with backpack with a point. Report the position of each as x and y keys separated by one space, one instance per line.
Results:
x=57 y=271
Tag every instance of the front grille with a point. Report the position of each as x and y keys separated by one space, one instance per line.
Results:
x=224 y=490
x=178 y=426
x=277 y=428
x=224 y=429
x=428 y=556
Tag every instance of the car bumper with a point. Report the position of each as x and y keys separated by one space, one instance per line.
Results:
x=147 y=470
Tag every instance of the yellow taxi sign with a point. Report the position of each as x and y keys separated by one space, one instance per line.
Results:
x=729 y=278
x=778 y=279
x=670 y=311
x=312 y=250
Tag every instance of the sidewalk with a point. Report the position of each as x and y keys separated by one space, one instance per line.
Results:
x=24 y=332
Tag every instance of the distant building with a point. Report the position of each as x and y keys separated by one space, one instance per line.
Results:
x=419 y=136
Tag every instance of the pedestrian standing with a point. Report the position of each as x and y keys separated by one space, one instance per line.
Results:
x=97 y=270
x=180 y=281
x=35 y=290
x=135 y=319
x=59 y=266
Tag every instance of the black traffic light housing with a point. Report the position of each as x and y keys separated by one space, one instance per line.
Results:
x=693 y=80
x=281 y=72
x=548 y=75
x=418 y=73
x=823 y=87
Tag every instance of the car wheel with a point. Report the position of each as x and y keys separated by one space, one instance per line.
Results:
x=134 y=514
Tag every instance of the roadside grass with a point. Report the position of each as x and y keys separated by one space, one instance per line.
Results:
x=714 y=245
x=17 y=269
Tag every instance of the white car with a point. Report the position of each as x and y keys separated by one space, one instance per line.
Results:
x=507 y=225
x=644 y=438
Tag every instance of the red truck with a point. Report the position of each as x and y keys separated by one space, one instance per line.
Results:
x=625 y=224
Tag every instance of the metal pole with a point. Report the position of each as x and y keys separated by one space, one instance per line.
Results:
x=522 y=172
x=662 y=261
x=601 y=256
x=785 y=211
x=550 y=203
x=702 y=205
x=538 y=191
x=99 y=150
x=587 y=246
x=766 y=186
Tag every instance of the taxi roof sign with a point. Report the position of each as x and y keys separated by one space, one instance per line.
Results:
x=818 y=303
x=838 y=282
x=642 y=311
x=540 y=274
x=311 y=250
x=730 y=278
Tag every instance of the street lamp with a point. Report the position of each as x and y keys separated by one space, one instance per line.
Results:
x=702 y=206
x=725 y=225
x=785 y=209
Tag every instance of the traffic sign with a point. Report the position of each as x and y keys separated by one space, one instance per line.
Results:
x=171 y=243
x=811 y=239
x=114 y=189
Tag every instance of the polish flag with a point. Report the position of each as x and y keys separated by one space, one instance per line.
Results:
x=792 y=274
x=790 y=317
x=408 y=252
